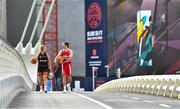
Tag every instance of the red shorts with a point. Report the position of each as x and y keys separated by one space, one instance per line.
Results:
x=66 y=69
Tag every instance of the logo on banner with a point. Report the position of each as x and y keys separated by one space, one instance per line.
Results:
x=94 y=15
x=94 y=52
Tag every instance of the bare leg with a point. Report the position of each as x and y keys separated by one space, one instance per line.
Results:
x=40 y=81
x=64 y=82
x=45 y=78
x=69 y=80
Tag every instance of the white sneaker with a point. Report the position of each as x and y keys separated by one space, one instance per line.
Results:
x=69 y=87
x=64 y=91
x=45 y=89
x=41 y=89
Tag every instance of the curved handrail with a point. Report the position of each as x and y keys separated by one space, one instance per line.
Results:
x=163 y=85
x=14 y=77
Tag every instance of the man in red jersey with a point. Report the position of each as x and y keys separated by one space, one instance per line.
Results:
x=67 y=54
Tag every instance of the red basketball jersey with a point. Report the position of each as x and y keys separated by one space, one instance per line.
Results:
x=65 y=54
x=66 y=67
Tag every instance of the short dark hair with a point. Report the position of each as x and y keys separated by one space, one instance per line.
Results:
x=67 y=44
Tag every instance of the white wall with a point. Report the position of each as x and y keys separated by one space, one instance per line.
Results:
x=72 y=29
x=3 y=25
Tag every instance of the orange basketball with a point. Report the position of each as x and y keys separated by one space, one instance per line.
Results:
x=59 y=59
x=33 y=60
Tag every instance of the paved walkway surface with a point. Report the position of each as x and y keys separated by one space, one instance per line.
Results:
x=92 y=100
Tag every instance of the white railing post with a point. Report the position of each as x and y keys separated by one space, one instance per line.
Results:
x=37 y=46
x=20 y=44
x=29 y=45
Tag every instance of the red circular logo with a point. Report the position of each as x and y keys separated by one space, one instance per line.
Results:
x=94 y=15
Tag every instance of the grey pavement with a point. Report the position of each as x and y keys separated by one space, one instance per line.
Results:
x=57 y=100
x=135 y=101
x=93 y=100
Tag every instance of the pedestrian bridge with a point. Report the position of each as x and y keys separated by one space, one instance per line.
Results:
x=17 y=89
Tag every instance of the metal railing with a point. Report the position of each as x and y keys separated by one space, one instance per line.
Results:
x=14 y=77
x=160 y=85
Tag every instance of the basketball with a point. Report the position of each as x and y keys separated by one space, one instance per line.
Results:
x=59 y=59
x=33 y=60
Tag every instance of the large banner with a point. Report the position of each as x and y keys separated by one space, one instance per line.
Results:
x=96 y=36
x=144 y=37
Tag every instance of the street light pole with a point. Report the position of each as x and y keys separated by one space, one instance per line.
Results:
x=107 y=73
x=94 y=70
x=114 y=47
x=167 y=32
x=93 y=78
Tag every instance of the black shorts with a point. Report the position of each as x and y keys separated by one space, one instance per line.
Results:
x=41 y=70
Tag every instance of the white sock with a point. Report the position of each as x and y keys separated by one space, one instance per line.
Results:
x=45 y=88
x=69 y=87
x=64 y=88
x=41 y=88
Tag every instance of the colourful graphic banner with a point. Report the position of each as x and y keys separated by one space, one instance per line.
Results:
x=144 y=37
